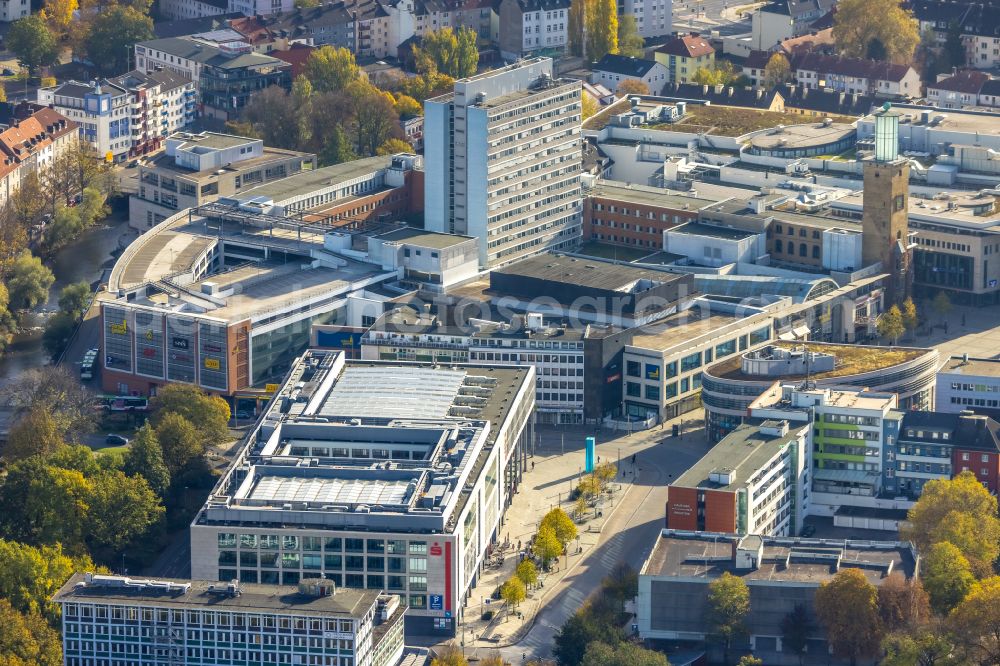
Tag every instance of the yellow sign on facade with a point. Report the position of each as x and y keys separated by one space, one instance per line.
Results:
x=270 y=388
x=120 y=329
x=212 y=363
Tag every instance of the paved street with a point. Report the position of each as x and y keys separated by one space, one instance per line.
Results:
x=624 y=533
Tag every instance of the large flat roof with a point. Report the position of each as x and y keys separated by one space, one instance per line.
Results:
x=708 y=555
x=315 y=179
x=648 y=196
x=273 y=598
x=166 y=163
x=585 y=272
x=712 y=231
x=423 y=238
x=972 y=367
x=850 y=360
x=679 y=328
x=742 y=451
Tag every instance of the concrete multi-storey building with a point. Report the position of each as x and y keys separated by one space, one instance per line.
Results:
x=12 y=10
x=128 y=115
x=653 y=18
x=780 y=574
x=382 y=476
x=116 y=620
x=532 y=26
x=635 y=215
x=731 y=386
x=225 y=75
x=965 y=383
x=755 y=481
x=196 y=169
x=35 y=137
x=504 y=161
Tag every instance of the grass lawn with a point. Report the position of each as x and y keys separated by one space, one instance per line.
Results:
x=605 y=251
x=733 y=121
x=108 y=449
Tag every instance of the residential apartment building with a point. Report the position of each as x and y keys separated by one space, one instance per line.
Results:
x=504 y=161
x=119 y=620
x=635 y=216
x=413 y=468
x=855 y=75
x=196 y=169
x=781 y=574
x=612 y=70
x=225 y=76
x=653 y=18
x=684 y=55
x=12 y=10
x=781 y=20
x=965 y=383
x=188 y=9
x=36 y=135
x=977 y=24
x=532 y=26
x=128 y=115
x=957 y=91
x=937 y=445
x=755 y=481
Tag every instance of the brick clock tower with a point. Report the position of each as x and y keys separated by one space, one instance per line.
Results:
x=884 y=224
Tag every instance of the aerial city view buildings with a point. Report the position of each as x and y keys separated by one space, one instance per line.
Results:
x=563 y=332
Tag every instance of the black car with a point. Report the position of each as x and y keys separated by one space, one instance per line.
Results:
x=116 y=440
x=808 y=530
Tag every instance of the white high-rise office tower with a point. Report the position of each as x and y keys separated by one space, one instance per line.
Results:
x=503 y=159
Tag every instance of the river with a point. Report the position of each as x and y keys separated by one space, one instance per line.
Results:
x=86 y=259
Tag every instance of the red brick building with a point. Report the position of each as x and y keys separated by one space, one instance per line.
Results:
x=635 y=216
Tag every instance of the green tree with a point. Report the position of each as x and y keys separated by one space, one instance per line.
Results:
x=584 y=627
x=32 y=42
x=875 y=29
x=29 y=281
x=58 y=330
x=947 y=576
x=960 y=511
x=55 y=390
x=527 y=572
x=941 y=304
x=547 y=545
x=590 y=105
x=8 y=323
x=890 y=324
x=302 y=99
x=41 y=504
x=180 y=442
x=847 y=607
x=578 y=10
x=74 y=299
x=621 y=584
x=407 y=107
x=601 y=20
x=374 y=116
x=448 y=52
x=750 y=660
x=623 y=654
x=393 y=146
x=207 y=413
x=630 y=42
x=268 y=112
x=35 y=433
x=30 y=576
x=76 y=457
x=561 y=524
x=113 y=33
x=513 y=592
x=145 y=458
x=777 y=71
x=727 y=610
x=975 y=622
x=902 y=603
x=722 y=74
x=331 y=69
x=122 y=509
x=27 y=639
x=796 y=628
x=909 y=312
x=337 y=149
x=927 y=646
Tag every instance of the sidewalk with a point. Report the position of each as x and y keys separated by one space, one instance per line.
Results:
x=545 y=486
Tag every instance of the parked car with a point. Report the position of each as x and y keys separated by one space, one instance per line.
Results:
x=116 y=440
x=243 y=414
x=808 y=530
